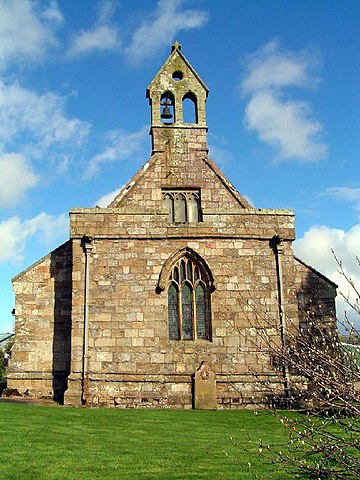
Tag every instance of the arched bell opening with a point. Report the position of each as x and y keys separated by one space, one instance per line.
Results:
x=167 y=108
x=190 y=108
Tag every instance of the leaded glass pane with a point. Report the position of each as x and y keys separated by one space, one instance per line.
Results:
x=193 y=209
x=189 y=271
x=169 y=205
x=182 y=271
x=187 y=323
x=173 y=313
x=196 y=273
x=200 y=312
x=176 y=274
x=180 y=208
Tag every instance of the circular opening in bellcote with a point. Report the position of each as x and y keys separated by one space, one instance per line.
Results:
x=177 y=75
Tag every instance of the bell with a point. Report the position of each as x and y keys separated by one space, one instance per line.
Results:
x=166 y=113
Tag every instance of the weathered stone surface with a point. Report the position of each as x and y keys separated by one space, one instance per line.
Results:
x=205 y=388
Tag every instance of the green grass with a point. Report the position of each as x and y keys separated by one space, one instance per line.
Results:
x=48 y=443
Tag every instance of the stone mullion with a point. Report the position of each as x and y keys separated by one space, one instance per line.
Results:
x=193 y=301
x=208 y=320
x=186 y=207
x=180 y=309
x=172 y=213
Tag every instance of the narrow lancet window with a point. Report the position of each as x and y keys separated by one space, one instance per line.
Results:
x=187 y=314
x=200 y=312
x=193 y=208
x=180 y=208
x=169 y=205
x=173 y=312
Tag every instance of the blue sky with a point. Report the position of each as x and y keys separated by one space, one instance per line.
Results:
x=283 y=113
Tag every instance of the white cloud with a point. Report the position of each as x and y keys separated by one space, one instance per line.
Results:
x=102 y=37
x=349 y=194
x=272 y=67
x=122 y=145
x=161 y=27
x=315 y=248
x=17 y=177
x=14 y=233
x=52 y=13
x=27 y=30
x=106 y=199
x=220 y=155
x=288 y=126
x=28 y=118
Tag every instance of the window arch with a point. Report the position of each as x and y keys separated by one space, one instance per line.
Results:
x=188 y=292
x=189 y=105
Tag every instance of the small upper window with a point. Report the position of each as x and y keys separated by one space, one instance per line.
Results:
x=183 y=205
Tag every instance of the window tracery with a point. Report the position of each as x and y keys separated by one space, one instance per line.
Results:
x=183 y=205
x=188 y=302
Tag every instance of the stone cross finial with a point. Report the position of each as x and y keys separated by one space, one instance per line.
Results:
x=176 y=46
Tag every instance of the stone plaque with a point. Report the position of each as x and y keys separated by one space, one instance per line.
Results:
x=205 y=388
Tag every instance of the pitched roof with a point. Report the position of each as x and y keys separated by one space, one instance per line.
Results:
x=134 y=181
x=176 y=52
x=316 y=272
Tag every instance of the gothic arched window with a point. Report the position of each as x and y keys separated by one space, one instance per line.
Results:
x=188 y=301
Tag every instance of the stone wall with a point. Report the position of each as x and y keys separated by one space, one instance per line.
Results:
x=132 y=362
x=316 y=295
x=40 y=361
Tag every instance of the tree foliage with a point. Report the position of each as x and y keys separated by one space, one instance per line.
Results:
x=321 y=381
x=4 y=357
x=325 y=384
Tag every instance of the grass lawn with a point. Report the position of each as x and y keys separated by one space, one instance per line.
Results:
x=43 y=443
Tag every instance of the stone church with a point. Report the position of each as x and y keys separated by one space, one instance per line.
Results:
x=162 y=298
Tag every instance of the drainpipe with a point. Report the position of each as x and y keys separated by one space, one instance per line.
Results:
x=275 y=244
x=86 y=243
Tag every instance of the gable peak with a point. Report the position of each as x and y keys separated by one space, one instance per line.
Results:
x=174 y=87
x=175 y=46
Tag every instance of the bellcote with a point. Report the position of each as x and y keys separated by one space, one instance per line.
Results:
x=177 y=95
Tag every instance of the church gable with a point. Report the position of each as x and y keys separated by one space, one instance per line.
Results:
x=148 y=188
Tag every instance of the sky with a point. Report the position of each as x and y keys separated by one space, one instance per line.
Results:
x=283 y=114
